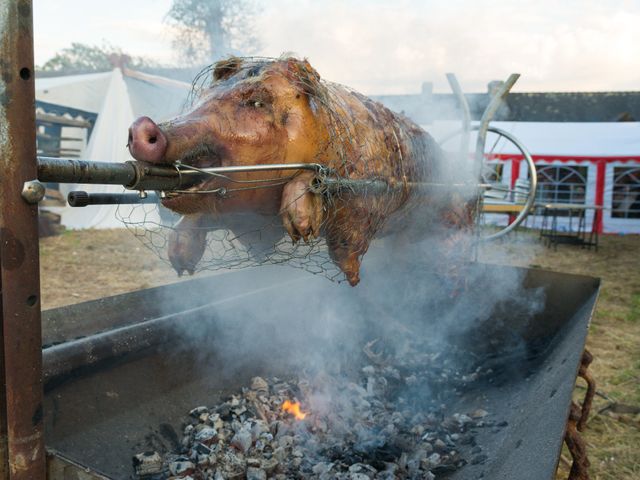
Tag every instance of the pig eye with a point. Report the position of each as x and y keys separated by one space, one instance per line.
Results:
x=257 y=104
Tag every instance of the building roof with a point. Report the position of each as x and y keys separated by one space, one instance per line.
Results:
x=522 y=107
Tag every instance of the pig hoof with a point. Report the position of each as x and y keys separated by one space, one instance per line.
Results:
x=186 y=249
x=301 y=209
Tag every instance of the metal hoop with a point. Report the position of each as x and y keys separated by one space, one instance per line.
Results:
x=531 y=197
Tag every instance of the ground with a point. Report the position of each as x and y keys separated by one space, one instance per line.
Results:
x=88 y=264
x=84 y=265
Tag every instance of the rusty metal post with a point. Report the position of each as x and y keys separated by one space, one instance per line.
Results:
x=21 y=422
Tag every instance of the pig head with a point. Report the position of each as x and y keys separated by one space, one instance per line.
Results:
x=250 y=113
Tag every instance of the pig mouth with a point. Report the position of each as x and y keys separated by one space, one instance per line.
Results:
x=201 y=156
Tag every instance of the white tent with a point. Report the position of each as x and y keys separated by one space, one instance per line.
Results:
x=118 y=98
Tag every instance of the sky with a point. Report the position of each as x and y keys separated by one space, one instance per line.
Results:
x=393 y=46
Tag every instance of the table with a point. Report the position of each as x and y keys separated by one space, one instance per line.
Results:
x=575 y=233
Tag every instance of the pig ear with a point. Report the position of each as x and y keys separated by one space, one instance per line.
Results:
x=304 y=76
x=225 y=68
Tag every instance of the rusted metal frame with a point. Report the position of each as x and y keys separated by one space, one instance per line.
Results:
x=23 y=453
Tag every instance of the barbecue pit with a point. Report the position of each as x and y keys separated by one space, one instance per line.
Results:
x=130 y=389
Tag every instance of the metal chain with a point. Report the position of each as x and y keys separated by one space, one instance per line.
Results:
x=577 y=421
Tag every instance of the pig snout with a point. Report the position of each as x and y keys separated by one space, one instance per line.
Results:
x=147 y=142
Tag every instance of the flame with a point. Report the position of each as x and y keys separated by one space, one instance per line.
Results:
x=294 y=409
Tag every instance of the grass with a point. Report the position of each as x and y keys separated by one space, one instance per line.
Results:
x=84 y=265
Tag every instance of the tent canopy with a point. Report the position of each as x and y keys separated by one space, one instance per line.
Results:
x=566 y=139
x=118 y=98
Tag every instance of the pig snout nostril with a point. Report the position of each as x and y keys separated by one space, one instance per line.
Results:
x=147 y=141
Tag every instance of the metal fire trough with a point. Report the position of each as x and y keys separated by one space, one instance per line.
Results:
x=127 y=384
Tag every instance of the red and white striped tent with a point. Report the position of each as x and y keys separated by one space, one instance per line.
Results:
x=594 y=164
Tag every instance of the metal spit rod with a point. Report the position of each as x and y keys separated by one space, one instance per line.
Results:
x=137 y=176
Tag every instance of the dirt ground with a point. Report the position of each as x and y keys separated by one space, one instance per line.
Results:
x=85 y=265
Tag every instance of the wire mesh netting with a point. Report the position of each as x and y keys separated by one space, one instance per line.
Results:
x=262 y=242
x=371 y=172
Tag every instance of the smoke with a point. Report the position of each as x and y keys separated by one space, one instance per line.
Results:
x=417 y=283
x=315 y=333
x=283 y=320
x=420 y=293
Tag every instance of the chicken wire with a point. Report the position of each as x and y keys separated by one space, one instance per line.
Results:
x=226 y=249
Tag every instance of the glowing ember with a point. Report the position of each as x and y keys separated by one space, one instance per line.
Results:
x=294 y=409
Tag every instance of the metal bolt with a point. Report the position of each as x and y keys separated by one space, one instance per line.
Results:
x=163 y=194
x=142 y=194
x=33 y=191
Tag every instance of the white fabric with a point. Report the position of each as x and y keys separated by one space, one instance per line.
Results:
x=84 y=92
x=580 y=139
x=107 y=144
x=597 y=139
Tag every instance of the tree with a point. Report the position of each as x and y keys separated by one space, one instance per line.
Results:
x=82 y=58
x=210 y=29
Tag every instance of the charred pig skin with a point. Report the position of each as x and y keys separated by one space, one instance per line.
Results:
x=280 y=111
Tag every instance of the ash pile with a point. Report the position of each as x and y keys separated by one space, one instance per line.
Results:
x=388 y=418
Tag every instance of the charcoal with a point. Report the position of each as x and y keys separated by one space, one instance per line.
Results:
x=148 y=463
x=479 y=413
x=206 y=434
x=256 y=474
x=388 y=419
x=242 y=440
x=181 y=467
x=196 y=412
x=434 y=459
x=260 y=385
x=358 y=476
x=202 y=449
x=269 y=465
